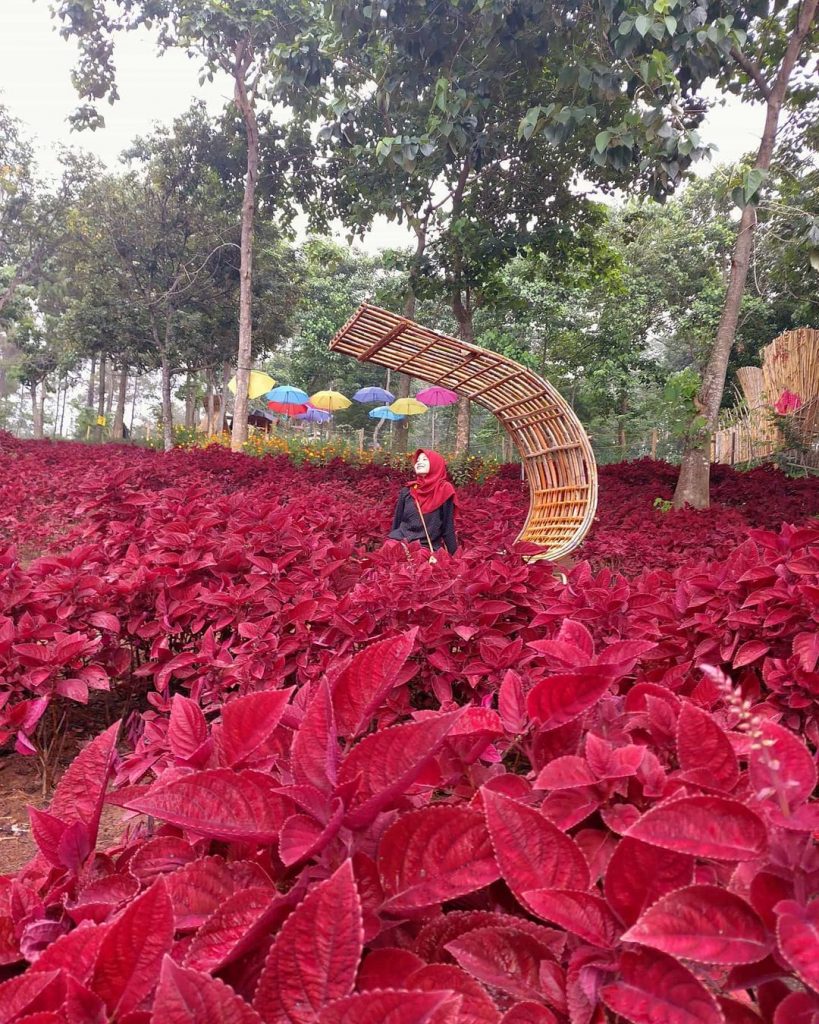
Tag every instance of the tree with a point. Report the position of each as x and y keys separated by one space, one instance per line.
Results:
x=34 y=217
x=781 y=40
x=235 y=37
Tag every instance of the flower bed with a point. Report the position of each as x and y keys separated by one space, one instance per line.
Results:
x=361 y=787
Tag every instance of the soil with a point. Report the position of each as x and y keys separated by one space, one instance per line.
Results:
x=21 y=784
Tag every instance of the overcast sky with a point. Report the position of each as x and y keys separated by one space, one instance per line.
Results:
x=35 y=66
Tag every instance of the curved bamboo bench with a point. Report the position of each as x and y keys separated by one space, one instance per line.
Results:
x=555 y=450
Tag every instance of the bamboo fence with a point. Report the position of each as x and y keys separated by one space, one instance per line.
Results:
x=790 y=363
x=556 y=453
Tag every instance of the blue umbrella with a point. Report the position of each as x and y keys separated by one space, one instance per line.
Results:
x=314 y=416
x=383 y=412
x=373 y=395
x=287 y=395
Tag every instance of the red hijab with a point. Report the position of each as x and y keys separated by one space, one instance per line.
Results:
x=433 y=489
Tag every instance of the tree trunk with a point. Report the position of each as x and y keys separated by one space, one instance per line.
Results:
x=167 y=407
x=220 y=416
x=244 y=57
x=210 y=409
x=133 y=405
x=694 y=479
x=62 y=411
x=119 y=414
x=401 y=432
x=190 y=402
x=89 y=400
x=463 y=314
x=109 y=398
x=60 y=381
x=36 y=409
x=101 y=398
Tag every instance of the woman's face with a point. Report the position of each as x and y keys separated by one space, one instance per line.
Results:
x=422 y=464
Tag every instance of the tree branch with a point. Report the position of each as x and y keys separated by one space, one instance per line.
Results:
x=751 y=68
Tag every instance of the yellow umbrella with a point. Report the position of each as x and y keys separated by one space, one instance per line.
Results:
x=258 y=384
x=408 y=407
x=330 y=401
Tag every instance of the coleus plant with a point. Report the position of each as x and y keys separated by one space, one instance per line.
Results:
x=595 y=849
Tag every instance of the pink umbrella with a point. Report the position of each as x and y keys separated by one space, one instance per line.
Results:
x=436 y=396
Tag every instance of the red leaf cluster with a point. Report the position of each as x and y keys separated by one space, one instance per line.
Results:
x=364 y=788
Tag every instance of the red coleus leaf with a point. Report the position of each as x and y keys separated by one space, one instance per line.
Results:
x=187 y=728
x=703 y=923
x=503 y=958
x=30 y=993
x=531 y=852
x=160 y=856
x=383 y=766
x=653 y=988
x=528 y=1013
x=512 y=703
x=188 y=997
x=581 y=913
x=638 y=874
x=218 y=803
x=248 y=722
x=388 y=966
x=476 y=1006
x=434 y=855
x=131 y=952
x=75 y=952
x=781 y=768
x=302 y=836
x=798 y=1008
x=704 y=751
x=391 y=1007
x=704 y=826
x=314 y=755
x=362 y=686
x=750 y=652
x=80 y=793
x=806 y=650
x=237 y=925
x=559 y=699
x=737 y=1013
x=314 y=958
x=797 y=934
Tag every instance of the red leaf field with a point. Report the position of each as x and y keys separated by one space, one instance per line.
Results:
x=359 y=787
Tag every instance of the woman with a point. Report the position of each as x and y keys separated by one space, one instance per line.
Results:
x=426 y=507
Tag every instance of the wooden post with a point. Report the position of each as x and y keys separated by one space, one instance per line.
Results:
x=654 y=443
x=361 y=439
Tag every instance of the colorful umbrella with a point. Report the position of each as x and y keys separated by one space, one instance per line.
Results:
x=383 y=412
x=408 y=407
x=373 y=395
x=288 y=395
x=287 y=408
x=258 y=383
x=331 y=401
x=437 y=396
x=314 y=416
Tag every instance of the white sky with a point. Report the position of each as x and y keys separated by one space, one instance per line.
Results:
x=35 y=83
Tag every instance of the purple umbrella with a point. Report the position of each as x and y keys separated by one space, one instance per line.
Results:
x=373 y=395
x=314 y=416
x=436 y=396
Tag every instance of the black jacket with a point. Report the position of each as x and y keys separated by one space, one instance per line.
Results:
x=407 y=525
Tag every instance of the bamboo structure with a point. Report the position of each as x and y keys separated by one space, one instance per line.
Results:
x=556 y=453
x=790 y=365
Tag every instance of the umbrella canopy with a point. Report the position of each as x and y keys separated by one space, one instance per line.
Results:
x=437 y=396
x=408 y=407
x=373 y=395
x=383 y=412
x=287 y=408
x=314 y=416
x=288 y=395
x=331 y=401
x=258 y=383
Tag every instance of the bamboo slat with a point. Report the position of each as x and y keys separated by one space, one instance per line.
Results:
x=556 y=452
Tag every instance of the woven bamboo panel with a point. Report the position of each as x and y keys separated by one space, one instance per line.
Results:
x=553 y=445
